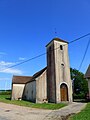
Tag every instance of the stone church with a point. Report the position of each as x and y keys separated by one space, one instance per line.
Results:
x=53 y=83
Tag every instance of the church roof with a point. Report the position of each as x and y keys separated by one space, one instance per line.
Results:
x=21 y=79
x=87 y=74
x=57 y=39
x=39 y=73
x=27 y=79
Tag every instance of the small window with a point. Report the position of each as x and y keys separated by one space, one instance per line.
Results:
x=50 y=49
x=62 y=64
x=61 y=47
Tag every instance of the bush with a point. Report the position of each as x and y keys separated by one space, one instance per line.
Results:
x=79 y=96
x=8 y=92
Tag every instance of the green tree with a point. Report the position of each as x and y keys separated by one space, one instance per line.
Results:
x=80 y=84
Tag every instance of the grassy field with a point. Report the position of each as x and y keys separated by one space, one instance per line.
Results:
x=51 y=106
x=83 y=115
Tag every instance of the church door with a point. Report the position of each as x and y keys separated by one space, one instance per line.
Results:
x=64 y=92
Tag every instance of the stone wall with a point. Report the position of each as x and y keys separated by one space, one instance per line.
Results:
x=51 y=83
x=58 y=70
x=41 y=88
x=62 y=69
x=30 y=91
x=17 y=91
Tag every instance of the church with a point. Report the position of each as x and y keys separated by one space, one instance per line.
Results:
x=51 y=84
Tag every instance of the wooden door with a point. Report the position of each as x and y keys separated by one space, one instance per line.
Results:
x=64 y=92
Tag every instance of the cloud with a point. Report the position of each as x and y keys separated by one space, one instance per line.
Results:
x=22 y=58
x=3 y=63
x=2 y=78
x=12 y=71
x=4 y=68
x=3 y=53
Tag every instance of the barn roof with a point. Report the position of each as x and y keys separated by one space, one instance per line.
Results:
x=21 y=79
x=87 y=74
x=57 y=39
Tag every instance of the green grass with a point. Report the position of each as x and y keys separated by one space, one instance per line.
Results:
x=83 y=115
x=51 y=106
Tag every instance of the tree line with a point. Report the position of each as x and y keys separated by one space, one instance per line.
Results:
x=79 y=84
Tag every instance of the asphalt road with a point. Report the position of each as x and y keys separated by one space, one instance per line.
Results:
x=2 y=118
x=14 y=112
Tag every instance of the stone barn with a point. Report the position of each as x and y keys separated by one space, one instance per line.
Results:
x=53 y=83
x=87 y=76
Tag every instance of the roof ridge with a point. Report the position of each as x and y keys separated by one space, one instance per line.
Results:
x=57 y=39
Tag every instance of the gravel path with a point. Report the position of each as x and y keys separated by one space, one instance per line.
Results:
x=14 y=112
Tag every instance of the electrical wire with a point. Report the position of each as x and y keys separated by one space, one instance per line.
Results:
x=79 y=38
x=84 y=54
x=43 y=53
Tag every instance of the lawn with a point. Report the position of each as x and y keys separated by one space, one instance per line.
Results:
x=83 y=115
x=51 y=106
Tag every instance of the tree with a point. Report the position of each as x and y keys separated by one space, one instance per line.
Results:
x=80 y=84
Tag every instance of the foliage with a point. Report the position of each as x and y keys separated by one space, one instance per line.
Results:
x=51 y=106
x=83 y=115
x=7 y=92
x=79 y=96
x=80 y=84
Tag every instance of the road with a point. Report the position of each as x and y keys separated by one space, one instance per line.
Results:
x=14 y=112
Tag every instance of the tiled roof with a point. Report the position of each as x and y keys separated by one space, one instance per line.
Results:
x=26 y=79
x=39 y=73
x=21 y=79
x=87 y=74
x=57 y=39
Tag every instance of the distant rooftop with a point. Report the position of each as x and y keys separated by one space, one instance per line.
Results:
x=57 y=39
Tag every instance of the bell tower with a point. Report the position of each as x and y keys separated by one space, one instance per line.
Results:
x=59 y=84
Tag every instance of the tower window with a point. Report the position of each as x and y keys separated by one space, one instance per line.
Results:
x=50 y=48
x=62 y=64
x=61 y=47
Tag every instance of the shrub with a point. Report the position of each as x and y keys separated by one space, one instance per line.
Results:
x=8 y=92
x=79 y=96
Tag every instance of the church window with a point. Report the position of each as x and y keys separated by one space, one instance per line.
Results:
x=61 y=47
x=50 y=49
x=62 y=64
x=50 y=55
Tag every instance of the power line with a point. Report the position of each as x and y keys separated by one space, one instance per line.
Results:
x=28 y=60
x=84 y=54
x=44 y=53
x=25 y=61
x=79 y=38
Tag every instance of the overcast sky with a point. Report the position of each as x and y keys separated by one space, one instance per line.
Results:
x=26 y=26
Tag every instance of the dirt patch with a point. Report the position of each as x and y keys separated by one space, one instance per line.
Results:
x=7 y=110
x=66 y=117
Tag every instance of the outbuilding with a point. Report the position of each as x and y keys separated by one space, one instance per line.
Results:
x=87 y=76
